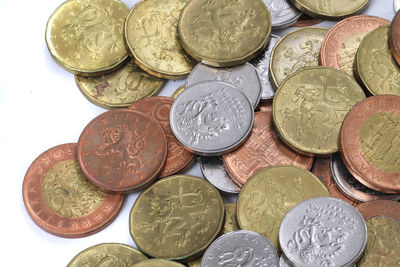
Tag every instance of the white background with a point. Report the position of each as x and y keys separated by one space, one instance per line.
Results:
x=41 y=107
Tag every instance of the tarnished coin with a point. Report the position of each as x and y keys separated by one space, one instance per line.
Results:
x=244 y=77
x=120 y=88
x=283 y=13
x=61 y=201
x=375 y=208
x=269 y=194
x=309 y=108
x=241 y=248
x=177 y=217
x=323 y=231
x=376 y=66
x=261 y=62
x=152 y=38
x=214 y=171
x=178 y=91
x=86 y=36
x=108 y=254
x=122 y=150
x=224 y=33
x=394 y=38
x=231 y=224
x=296 y=50
x=158 y=263
x=211 y=118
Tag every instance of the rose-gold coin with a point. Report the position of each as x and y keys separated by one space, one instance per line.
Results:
x=379 y=208
x=306 y=21
x=158 y=108
x=340 y=44
x=122 y=150
x=60 y=199
x=370 y=142
x=394 y=40
x=261 y=150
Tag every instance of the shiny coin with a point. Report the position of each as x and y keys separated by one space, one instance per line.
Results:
x=244 y=77
x=309 y=108
x=178 y=91
x=374 y=208
x=296 y=50
x=240 y=248
x=158 y=263
x=323 y=231
x=283 y=13
x=394 y=38
x=396 y=4
x=211 y=118
x=177 y=217
x=231 y=224
x=224 y=34
x=85 y=37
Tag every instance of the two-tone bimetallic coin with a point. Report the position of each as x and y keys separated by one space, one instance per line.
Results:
x=323 y=231
x=211 y=118
x=241 y=248
x=283 y=13
x=158 y=263
x=244 y=77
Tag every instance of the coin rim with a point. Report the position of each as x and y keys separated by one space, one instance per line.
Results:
x=395 y=49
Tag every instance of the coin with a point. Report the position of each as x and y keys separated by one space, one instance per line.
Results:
x=396 y=4
x=158 y=263
x=85 y=37
x=158 y=108
x=309 y=108
x=240 y=248
x=266 y=106
x=122 y=150
x=340 y=44
x=261 y=150
x=283 y=14
x=61 y=201
x=231 y=224
x=195 y=263
x=269 y=194
x=323 y=231
x=284 y=262
x=224 y=34
x=211 y=118
x=244 y=77
x=375 y=208
x=376 y=66
x=178 y=91
x=296 y=50
x=177 y=217
x=306 y=21
x=152 y=38
x=120 y=88
x=214 y=171
x=261 y=62
x=394 y=38
x=107 y=254
x=370 y=142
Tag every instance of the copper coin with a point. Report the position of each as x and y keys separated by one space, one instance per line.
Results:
x=394 y=40
x=265 y=105
x=306 y=21
x=379 y=208
x=370 y=142
x=59 y=198
x=261 y=150
x=340 y=44
x=158 y=108
x=122 y=150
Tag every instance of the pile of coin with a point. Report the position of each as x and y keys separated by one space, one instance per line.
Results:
x=315 y=170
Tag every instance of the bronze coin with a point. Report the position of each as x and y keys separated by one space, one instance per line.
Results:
x=158 y=108
x=379 y=208
x=306 y=21
x=59 y=198
x=394 y=40
x=122 y=150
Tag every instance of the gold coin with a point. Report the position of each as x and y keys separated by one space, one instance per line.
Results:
x=296 y=50
x=330 y=9
x=86 y=36
x=177 y=217
x=120 y=88
x=383 y=247
x=231 y=224
x=158 y=263
x=152 y=38
x=195 y=263
x=178 y=91
x=376 y=66
x=269 y=194
x=224 y=33
x=310 y=106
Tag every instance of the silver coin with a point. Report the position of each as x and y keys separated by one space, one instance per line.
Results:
x=214 y=171
x=323 y=231
x=396 y=5
x=283 y=13
x=211 y=118
x=241 y=248
x=350 y=186
x=244 y=77
x=284 y=262
x=261 y=62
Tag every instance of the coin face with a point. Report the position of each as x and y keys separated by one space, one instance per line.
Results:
x=296 y=50
x=158 y=263
x=375 y=208
x=59 y=198
x=240 y=248
x=85 y=37
x=283 y=13
x=309 y=108
x=152 y=38
x=332 y=233
x=122 y=150
x=211 y=118
x=224 y=34
x=177 y=217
